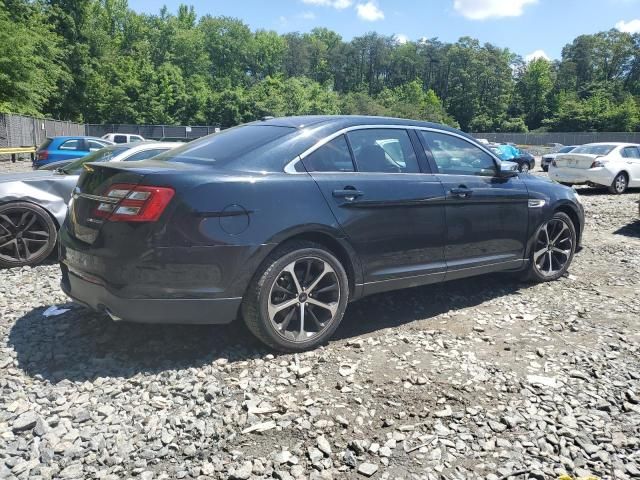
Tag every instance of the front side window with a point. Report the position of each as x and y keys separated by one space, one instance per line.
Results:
x=144 y=154
x=71 y=145
x=456 y=156
x=333 y=156
x=95 y=145
x=135 y=138
x=120 y=138
x=383 y=150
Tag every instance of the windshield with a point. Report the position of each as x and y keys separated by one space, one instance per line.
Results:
x=231 y=144
x=594 y=149
x=102 y=155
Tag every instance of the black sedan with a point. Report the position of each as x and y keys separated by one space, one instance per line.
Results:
x=283 y=222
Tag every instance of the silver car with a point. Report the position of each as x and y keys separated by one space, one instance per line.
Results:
x=33 y=204
x=549 y=157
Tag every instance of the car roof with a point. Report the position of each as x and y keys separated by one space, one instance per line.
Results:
x=345 y=121
x=617 y=144
x=73 y=137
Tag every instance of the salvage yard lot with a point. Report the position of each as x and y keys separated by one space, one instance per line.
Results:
x=480 y=378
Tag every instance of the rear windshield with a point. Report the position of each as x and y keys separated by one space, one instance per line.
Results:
x=232 y=144
x=565 y=149
x=102 y=155
x=594 y=149
x=45 y=144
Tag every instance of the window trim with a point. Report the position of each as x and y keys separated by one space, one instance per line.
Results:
x=290 y=166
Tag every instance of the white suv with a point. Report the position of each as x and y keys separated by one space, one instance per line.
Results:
x=123 y=137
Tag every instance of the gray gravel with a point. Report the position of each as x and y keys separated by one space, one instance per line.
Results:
x=481 y=378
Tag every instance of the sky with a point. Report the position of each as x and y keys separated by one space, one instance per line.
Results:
x=530 y=28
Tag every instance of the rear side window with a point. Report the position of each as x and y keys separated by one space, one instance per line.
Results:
x=233 y=144
x=71 y=145
x=383 y=150
x=455 y=156
x=143 y=155
x=333 y=156
x=120 y=138
x=631 y=152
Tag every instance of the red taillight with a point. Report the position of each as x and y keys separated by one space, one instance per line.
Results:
x=43 y=154
x=137 y=203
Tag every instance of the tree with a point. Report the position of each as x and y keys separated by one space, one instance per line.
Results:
x=535 y=87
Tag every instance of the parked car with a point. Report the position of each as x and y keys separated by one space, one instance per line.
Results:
x=34 y=204
x=55 y=149
x=614 y=165
x=511 y=153
x=284 y=221
x=123 y=137
x=548 y=158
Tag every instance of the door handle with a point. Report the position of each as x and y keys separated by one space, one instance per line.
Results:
x=348 y=193
x=461 y=192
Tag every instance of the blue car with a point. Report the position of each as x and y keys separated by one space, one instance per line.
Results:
x=55 y=149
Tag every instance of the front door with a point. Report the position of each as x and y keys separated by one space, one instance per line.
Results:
x=487 y=215
x=391 y=212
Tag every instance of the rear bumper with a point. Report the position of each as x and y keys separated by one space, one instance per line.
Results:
x=577 y=176
x=149 y=310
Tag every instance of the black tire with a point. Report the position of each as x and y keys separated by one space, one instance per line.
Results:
x=533 y=272
x=258 y=299
x=545 y=168
x=524 y=167
x=28 y=234
x=619 y=184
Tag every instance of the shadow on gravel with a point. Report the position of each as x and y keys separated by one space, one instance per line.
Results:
x=630 y=230
x=81 y=345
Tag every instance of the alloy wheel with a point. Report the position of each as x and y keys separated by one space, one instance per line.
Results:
x=553 y=248
x=620 y=183
x=24 y=235
x=524 y=168
x=304 y=299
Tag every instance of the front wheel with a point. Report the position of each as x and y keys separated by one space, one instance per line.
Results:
x=298 y=299
x=524 y=167
x=619 y=184
x=553 y=249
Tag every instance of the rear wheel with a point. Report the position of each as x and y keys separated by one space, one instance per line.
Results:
x=524 y=167
x=545 y=168
x=298 y=299
x=619 y=184
x=27 y=234
x=553 y=249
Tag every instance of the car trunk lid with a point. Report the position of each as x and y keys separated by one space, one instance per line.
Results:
x=575 y=160
x=86 y=210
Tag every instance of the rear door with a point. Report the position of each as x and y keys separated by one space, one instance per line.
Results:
x=69 y=149
x=487 y=215
x=391 y=211
x=631 y=157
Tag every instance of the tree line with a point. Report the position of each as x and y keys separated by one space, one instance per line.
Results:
x=98 y=61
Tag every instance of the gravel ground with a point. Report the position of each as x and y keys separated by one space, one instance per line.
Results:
x=481 y=379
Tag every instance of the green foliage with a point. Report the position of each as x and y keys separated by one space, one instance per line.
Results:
x=99 y=61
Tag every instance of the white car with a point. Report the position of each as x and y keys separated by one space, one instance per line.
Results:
x=123 y=137
x=550 y=157
x=613 y=165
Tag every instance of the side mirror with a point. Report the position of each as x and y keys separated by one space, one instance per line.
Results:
x=508 y=169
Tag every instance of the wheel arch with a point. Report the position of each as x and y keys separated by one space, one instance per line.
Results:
x=573 y=216
x=51 y=215
x=338 y=247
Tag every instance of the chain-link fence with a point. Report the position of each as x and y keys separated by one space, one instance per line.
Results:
x=24 y=131
x=153 y=132
x=565 y=138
